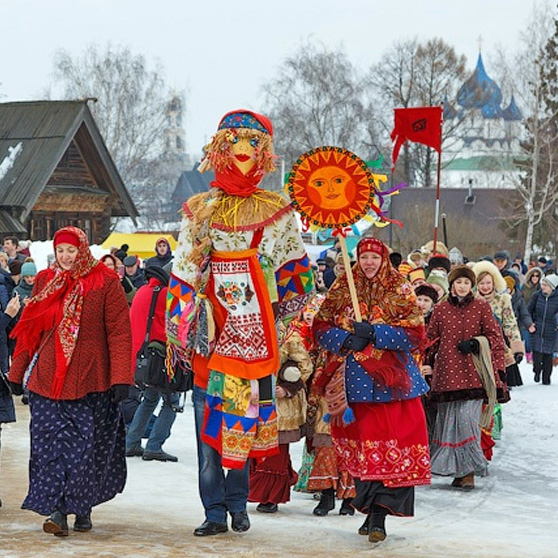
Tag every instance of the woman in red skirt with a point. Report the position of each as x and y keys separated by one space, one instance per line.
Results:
x=373 y=386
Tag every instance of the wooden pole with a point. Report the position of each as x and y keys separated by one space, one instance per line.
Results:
x=437 y=210
x=350 y=279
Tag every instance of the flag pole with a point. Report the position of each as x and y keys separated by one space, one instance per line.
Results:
x=438 y=174
x=437 y=209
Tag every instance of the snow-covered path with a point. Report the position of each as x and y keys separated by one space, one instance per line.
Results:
x=512 y=513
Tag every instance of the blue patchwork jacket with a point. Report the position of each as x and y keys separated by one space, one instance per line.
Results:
x=359 y=385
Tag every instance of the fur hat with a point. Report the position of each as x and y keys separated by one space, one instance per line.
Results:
x=427 y=290
x=438 y=278
x=439 y=261
x=462 y=271
x=551 y=280
x=483 y=267
x=441 y=248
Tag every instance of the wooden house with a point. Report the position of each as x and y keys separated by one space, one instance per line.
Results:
x=55 y=171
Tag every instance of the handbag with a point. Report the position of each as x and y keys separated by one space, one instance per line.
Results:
x=145 y=359
x=151 y=362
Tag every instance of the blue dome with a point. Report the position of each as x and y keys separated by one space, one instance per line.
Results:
x=481 y=92
x=512 y=112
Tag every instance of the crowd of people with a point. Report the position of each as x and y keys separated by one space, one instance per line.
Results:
x=390 y=371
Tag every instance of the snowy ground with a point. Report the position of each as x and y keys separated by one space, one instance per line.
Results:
x=512 y=513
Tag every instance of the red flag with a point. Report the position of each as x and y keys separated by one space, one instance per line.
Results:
x=421 y=125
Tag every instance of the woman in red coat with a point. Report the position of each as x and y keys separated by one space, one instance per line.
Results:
x=455 y=448
x=73 y=355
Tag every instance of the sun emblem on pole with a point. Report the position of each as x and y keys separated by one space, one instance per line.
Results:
x=331 y=187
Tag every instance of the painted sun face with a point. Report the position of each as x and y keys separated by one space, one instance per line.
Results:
x=243 y=150
x=331 y=184
x=331 y=187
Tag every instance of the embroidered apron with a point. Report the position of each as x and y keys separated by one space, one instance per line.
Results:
x=240 y=415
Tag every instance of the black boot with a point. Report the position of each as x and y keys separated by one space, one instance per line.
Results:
x=56 y=524
x=327 y=503
x=377 y=529
x=83 y=523
x=346 y=508
x=365 y=527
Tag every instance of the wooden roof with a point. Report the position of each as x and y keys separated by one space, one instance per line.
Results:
x=35 y=135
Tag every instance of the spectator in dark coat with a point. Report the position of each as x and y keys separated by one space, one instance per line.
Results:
x=7 y=411
x=163 y=251
x=543 y=307
x=139 y=313
x=134 y=277
x=524 y=322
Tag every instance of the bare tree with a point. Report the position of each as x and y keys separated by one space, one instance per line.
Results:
x=130 y=112
x=319 y=98
x=534 y=73
x=412 y=74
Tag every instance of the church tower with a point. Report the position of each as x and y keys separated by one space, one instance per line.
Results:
x=486 y=142
x=175 y=135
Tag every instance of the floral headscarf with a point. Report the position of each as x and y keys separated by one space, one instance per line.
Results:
x=387 y=298
x=57 y=307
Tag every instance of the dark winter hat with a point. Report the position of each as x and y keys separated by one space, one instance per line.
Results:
x=439 y=261
x=462 y=271
x=542 y=260
x=502 y=255
x=130 y=260
x=28 y=269
x=120 y=254
x=427 y=290
x=551 y=280
x=15 y=267
x=157 y=272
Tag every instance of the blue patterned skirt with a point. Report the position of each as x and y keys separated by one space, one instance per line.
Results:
x=78 y=453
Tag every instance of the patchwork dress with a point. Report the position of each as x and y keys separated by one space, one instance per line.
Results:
x=240 y=265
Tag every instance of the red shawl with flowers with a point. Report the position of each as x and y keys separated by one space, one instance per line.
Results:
x=388 y=299
x=57 y=309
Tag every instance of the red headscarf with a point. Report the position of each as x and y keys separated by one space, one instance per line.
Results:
x=387 y=298
x=58 y=306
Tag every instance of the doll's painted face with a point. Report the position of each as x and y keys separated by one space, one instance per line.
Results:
x=243 y=150
x=331 y=183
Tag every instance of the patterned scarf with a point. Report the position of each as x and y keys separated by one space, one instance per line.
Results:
x=387 y=298
x=59 y=306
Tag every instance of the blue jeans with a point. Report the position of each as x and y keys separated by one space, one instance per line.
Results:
x=219 y=491
x=161 y=429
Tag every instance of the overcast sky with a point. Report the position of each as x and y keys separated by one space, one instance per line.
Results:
x=221 y=51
